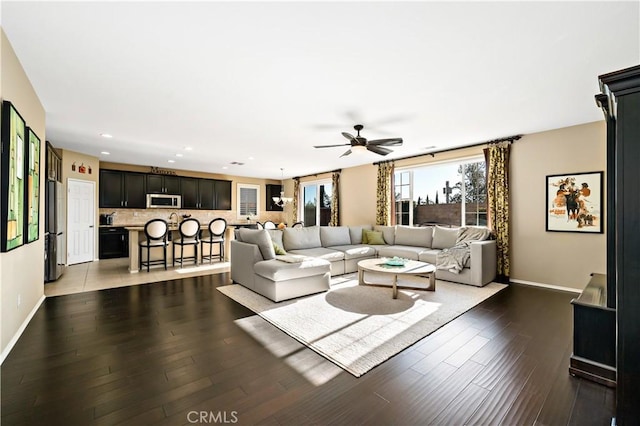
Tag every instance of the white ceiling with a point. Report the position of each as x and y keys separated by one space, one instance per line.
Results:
x=261 y=83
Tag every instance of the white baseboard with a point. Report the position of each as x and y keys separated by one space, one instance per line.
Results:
x=24 y=325
x=549 y=286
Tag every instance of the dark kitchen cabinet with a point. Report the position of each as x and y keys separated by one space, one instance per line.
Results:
x=122 y=189
x=159 y=184
x=223 y=194
x=113 y=243
x=189 y=192
x=273 y=191
x=205 y=194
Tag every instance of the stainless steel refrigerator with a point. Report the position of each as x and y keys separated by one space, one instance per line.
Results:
x=55 y=244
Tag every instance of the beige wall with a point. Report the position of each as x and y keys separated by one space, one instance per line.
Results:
x=18 y=276
x=558 y=258
x=553 y=258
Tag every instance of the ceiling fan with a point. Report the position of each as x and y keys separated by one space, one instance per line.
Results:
x=360 y=144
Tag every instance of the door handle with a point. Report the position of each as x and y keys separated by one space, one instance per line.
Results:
x=90 y=226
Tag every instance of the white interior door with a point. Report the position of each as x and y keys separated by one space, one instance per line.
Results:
x=81 y=221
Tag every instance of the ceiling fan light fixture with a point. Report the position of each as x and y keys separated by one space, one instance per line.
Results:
x=358 y=149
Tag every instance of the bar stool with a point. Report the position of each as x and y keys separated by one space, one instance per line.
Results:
x=298 y=225
x=269 y=225
x=156 y=232
x=189 y=230
x=217 y=228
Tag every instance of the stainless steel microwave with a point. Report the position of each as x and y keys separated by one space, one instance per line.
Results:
x=163 y=201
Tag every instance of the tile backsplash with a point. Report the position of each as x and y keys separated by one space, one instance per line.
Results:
x=125 y=217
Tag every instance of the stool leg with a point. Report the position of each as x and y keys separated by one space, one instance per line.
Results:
x=165 y=256
x=181 y=256
x=195 y=254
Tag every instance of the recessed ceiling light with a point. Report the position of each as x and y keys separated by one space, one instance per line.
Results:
x=225 y=167
x=106 y=135
x=178 y=155
x=188 y=148
x=251 y=158
x=105 y=153
x=172 y=161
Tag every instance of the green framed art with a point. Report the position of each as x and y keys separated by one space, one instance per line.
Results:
x=32 y=190
x=12 y=218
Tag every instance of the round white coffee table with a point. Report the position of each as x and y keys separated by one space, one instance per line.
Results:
x=411 y=268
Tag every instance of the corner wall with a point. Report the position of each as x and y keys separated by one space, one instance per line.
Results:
x=18 y=276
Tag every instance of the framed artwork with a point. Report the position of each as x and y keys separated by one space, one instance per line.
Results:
x=12 y=218
x=32 y=192
x=575 y=202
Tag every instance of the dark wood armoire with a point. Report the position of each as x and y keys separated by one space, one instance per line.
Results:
x=620 y=101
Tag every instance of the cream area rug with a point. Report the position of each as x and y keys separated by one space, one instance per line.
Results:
x=359 y=327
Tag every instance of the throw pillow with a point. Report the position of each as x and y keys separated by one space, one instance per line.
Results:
x=262 y=239
x=375 y=238
x=444 y=238
x=279 y=250
x=364 y=236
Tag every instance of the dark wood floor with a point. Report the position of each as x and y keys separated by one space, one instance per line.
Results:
x=163 y=353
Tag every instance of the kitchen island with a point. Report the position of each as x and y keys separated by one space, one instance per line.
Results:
x=136 y=234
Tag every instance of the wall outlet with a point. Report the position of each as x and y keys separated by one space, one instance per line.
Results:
x=135 y=214
x=19 y=300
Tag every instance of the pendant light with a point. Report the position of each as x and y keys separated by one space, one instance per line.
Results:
x=281 y=200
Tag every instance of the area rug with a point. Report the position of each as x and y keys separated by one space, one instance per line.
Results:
x=358 y=327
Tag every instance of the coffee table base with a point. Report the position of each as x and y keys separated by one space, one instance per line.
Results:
x=430 y=275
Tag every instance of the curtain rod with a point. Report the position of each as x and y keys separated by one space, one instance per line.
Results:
x=316 y=174
x=433 y=154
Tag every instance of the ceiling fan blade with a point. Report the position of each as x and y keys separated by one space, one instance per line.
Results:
x=346 y=153
x=378 y=149
x=330 y=146
x=386 y=142
x=348 y=136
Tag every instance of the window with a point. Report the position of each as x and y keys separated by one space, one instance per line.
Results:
x=434 y=194
x=316 y=202
x=248 y=196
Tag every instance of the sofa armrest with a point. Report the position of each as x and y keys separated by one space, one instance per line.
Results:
x=483 y=261
x=243 y=257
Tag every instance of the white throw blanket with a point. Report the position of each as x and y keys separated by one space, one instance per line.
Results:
x=453 y=259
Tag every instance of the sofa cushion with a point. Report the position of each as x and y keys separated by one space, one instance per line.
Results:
x=334 y=236
x=429 y=256
x=414 y=236
x=408 y=252
x=444 y=237
x=301 y=238
x=276 y=236
x=388 y=232
x=276 y=270
x=356 y=233
x=374 y=238
x=356 y=251
x=261 y=238
x=320 y=253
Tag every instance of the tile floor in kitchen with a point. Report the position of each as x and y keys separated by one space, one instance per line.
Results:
x=110 y=273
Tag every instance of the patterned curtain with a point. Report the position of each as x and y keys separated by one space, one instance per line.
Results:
x=385 y=194
x=296 y=190
x=335 y=199
x=497 y=160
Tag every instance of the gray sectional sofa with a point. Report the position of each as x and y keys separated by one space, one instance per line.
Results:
x=315 y=253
